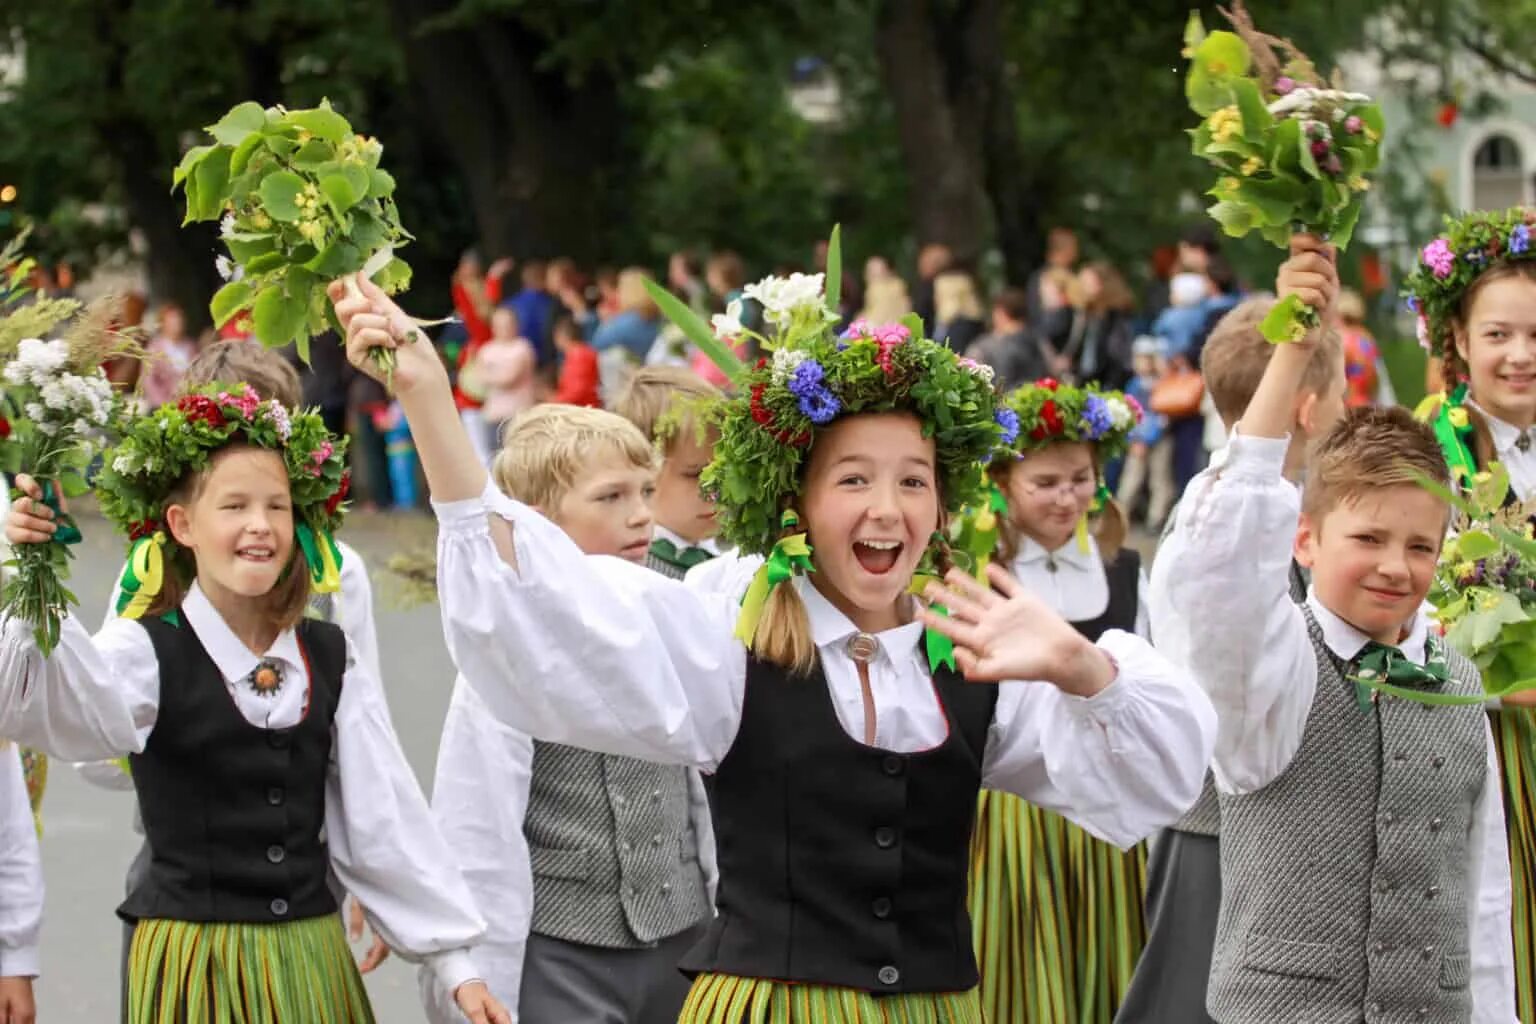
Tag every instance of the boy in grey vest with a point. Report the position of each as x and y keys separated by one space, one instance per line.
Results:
x=1183 y=863
x=595 y=872
x=1363 y=865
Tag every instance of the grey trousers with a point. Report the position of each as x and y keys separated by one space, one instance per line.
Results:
x=1183 y=900
x=569 y=983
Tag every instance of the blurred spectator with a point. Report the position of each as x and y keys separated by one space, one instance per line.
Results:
x=685 y=281
x=1365 y=374
x=578 y=383
x=1181 y=325
x=1163 y=264
x=726 y=275
x=885 y=294
x=1011 y=349
x=932 y=261
x=1100 y=344
x=1061 y=256
x=475 y=293
x=167 y=356
x=1197 y=244
x=623 y=340
x=123 y=371
x=608 y=305
x=956 y=310
x=1149 y=463
x=569 y=286
x=508 y=372
x=534 y=306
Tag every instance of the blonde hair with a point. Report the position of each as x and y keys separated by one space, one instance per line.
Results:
x=245 y=362
x=546 y=448
x=288 y=599
x=1368 y=449
x=954 y=294
x=1108 y=525
x=632 y=295
x=1236 y=355
x=664 y=402
x=1114 y=293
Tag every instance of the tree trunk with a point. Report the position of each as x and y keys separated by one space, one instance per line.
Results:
x=541 y=155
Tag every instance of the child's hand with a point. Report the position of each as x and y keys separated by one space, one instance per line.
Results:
x=478 y=1005
x=372 y=320
x=29 y=520
x=1311 y=274
x=357 y=924
x=1014 y=635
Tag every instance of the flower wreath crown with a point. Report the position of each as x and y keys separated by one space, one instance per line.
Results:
x=158 y=450
x=1448 y=265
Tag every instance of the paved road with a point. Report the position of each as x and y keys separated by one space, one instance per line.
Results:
x=87 y=841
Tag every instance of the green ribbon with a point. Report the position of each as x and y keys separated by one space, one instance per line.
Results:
x=1453 y=436
x=68 y=532
x=940 y=648
x=790 y=555
x=1382 y=667
x=1101 y=497
x=684 y=558
x=323 y=556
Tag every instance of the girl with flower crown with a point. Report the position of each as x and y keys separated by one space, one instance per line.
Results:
x=846 y=747
x=261 y=752
x=1474 y=296
x=1057 y=911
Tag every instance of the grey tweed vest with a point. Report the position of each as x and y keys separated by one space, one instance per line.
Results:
x=1204 y=818
x=613 y=849
x=664 y=567
x=1344 y=880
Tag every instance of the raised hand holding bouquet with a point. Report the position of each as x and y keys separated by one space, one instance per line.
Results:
x=301 y=200
x=58 y=405
x=1294 y=152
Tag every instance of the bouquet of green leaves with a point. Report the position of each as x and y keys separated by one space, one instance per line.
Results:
x=1484 y=592
x=55 y=413
x=1293 y=152
x=301 y=200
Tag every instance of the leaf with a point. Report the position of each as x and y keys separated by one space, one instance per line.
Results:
x=246 y=253
x=73 y=485
x=339 y=193
x=212 y=177
x=1284 y=323
x=1274 y=200
x=696 y=329
x=194 y=200
x=229 y=300
x=234 y=127
x=279 y=193
x=835 y=268
x=337 y=259
x=1475 y=544
x=381 y=184
x=368 y=232
x=1344 y=226
x=1305 y=158
x=1257 y=120
x=395 y=277
x=1194 y=32
x=1235 y=219
x=263 y=263
x=241 y=157
x=189 y=160
x=322 y=122
x=278 y=318
x=313 y=154
x=1206 y=95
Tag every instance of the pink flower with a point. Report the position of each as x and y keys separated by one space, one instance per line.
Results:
x=1354 y=125
x=1439 y=258
x=1136 y=407
x=319 y=455
x=1421 y=328
x=892 y=334
x=1285 y=85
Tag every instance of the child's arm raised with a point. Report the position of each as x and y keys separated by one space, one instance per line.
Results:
x=91 y=699
x=1224 y=570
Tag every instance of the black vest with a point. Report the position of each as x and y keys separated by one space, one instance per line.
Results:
x=842 y=864
x=1124 y=576
x=234 y=813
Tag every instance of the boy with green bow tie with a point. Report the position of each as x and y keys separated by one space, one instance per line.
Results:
x=665 y=403
x=1363 y=865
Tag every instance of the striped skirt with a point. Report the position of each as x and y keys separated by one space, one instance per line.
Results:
x=727 y=999
x=1514 y=734
x=1057 y=916
x=184 y=972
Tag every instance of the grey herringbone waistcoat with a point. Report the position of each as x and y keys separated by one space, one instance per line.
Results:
x=613 y=849
x=1344 y=893
x=664 y=567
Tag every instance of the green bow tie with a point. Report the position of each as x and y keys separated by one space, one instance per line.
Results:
x=686 y=558
x=1378 y=663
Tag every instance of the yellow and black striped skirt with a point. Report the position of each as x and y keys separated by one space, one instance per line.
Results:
x=727 y=999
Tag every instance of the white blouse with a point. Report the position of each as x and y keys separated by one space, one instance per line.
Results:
x=21 y=873
x=1073 y=581
x=605 y=655
x=98 y=698
x=1223 y=581
x=1521 y=464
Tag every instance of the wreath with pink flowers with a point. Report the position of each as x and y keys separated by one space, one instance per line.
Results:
x=1449 y=264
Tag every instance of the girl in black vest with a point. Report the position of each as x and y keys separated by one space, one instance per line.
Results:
x=846 y=749
x=260 y=753
x=1058 y=912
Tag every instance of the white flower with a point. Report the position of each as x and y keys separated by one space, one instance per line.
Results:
x=728 y=324
x=1119 y=413
x=35 y=411
x=784 y=363
x=123 y=463
x=1302 y=101
x=279 y=418
x=227 y=226
x=226 y=268
x=37 y=362
x=781 y=297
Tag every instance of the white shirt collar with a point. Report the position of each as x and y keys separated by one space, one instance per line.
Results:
x=1346 y=641
x=234 y=660
x=710 y=544
x=1505 y=435
x=830 y=627
x=1070 y=553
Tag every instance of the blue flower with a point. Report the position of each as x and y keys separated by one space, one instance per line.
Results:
x=1519 y=239
x=1096 y=418
x=1009 y=421
x=1412 y=301
x=820 y=406
x=806 y=379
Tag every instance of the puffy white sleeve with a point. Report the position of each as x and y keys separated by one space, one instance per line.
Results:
x=590 y=651
x=1222 y=604
x=21 y=873
x=354 y=613
x=1489 y=892
x=384 y=845
x=92 y=699
x=1123 y=763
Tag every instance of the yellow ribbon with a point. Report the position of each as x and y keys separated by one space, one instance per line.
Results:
x=1082 y=534
x=324 y=558
x=143 y=577
x=790 y=555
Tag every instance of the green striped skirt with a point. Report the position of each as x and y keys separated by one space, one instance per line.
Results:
x=1057 y=916
x=727 y=999
x=185 y=972
x=1514 y=734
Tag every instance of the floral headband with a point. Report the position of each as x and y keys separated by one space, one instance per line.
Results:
x=160 y=448
x=1448 y=265
x=1048 y=411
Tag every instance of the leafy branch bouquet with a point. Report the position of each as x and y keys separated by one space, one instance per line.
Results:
x=57 y=408
x=1293 y=152
x=301 y=200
